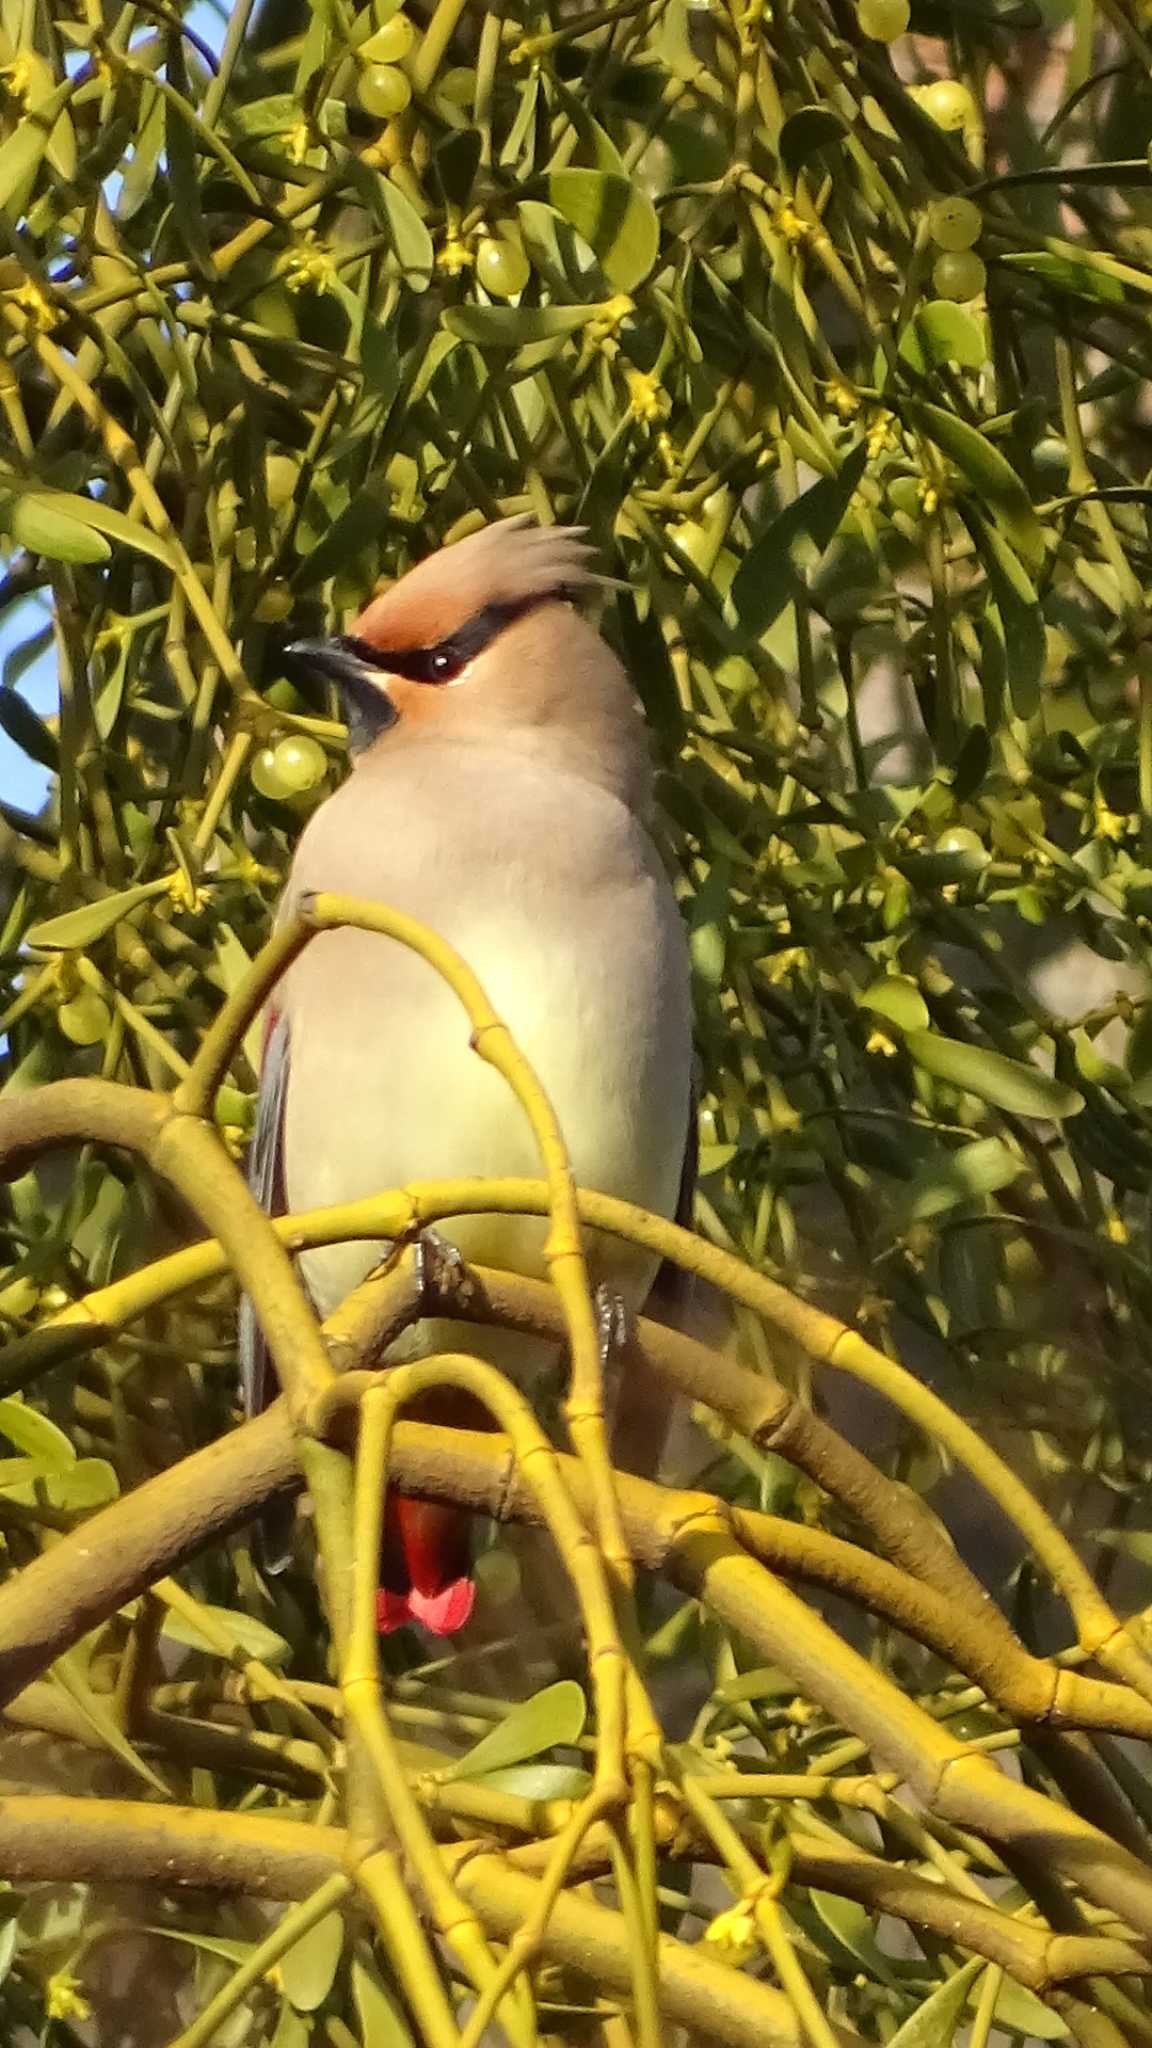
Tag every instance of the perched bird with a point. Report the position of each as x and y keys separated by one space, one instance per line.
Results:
x=499 y=792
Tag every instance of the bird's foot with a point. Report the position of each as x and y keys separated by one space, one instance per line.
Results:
x=637 y=1403
x=613 y=1322
x=614 y=1329
x=442 y=1274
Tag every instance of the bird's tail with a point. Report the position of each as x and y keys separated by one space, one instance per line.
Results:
x=425 y=1567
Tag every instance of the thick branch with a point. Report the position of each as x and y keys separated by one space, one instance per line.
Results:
x=116 y=1554
x=955 y=1783
x=115 y=1841
x=964 y=1788
x=938 y=1600
x=28 y=1124
x=902 y=1526
x=187 y=1154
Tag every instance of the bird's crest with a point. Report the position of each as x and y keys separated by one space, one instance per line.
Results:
x=509 y=563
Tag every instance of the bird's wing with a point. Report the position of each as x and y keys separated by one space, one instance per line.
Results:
x=644 y=1401
x=672 y=1288
x=266 y=1180
x=689 y=1174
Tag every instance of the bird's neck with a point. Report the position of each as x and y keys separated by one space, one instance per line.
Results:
x=610 y=763
x=549 y=690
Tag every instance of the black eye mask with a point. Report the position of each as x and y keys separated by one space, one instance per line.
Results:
x=448 y=658
x=351 y=663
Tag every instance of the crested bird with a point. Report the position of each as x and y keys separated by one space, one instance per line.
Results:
x=499 y=793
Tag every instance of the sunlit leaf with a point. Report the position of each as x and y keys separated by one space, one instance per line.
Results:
x=673 y=39
x=80 y=928
x=554 y=1716
x=71 y=1673
x=40 y=523
x=379 y=2011
x=615 y=219
x=981 y=1168
x=105 y=519
x=411 y=241
x=896 y=997
x=88 y=1484
x=232 y=963
x=595 y=139
x=851 y=1926
x=220 y=1945
x=1135 y=1543
x=947 y=333
x=1024 y=1090
x=36 y=1436
x=1021 y=2010
x=988 y=471
x=23 y=151
x=539 y=1781
x=292 y=2029
x=1067 y=273
x=309 y=1966
x=934 y=2023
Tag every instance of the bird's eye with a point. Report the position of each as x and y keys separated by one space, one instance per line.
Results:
x=443 y=664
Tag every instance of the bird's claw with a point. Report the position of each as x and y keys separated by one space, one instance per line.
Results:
x=441 y=1272
x=613 y=1323
x=613 y=1333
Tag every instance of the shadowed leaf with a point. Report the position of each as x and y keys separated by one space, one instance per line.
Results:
x=768 y=577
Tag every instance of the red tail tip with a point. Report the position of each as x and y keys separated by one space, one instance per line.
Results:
x=440 y=1613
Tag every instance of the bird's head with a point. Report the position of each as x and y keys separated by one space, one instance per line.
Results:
x=443 y=626
x=481 y=639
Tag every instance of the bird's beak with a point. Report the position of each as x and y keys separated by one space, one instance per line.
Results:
x=336 y=663
x=362 y=686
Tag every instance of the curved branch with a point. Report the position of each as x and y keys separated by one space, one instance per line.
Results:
x=932 y=1597
x=701 y=1555
x=187 y=1154
x=119 y=1552
x=704 y=1556
x=399 y=1213
x=956 y=1783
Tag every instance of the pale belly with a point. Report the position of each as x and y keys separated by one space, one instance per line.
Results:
x=385 y=1088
